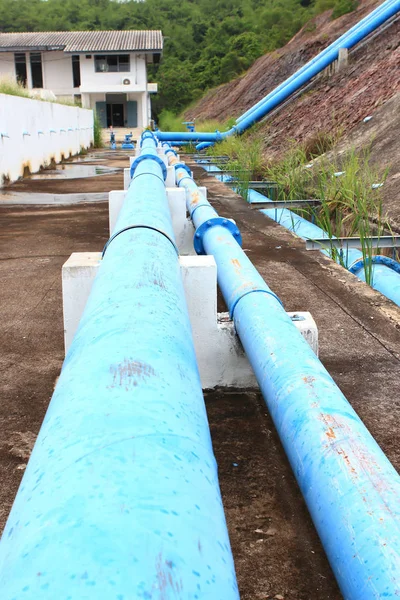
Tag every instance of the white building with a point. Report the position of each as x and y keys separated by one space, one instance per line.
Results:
x=105 y=70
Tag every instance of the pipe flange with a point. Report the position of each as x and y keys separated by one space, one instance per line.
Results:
x=154 y=157
x=182 y=165
x=139 y=226
x=376 y=260
x=170 y=150
x=200 y=231
x=146 y=135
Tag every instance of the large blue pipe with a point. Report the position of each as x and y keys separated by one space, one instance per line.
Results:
x=351 y=489
x=294 y=83
x=120 y=498
x=337 y=44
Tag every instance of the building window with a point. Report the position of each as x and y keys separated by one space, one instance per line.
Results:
x=76 y=70
x=112 y=63
x=20 y=67
x=36 y=70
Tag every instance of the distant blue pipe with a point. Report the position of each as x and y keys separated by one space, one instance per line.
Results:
x=385 y=274
x=351 y=489
x=385 y=271
x=294 y=83
x=204 y=145
x=337 y=44
x=120 y=498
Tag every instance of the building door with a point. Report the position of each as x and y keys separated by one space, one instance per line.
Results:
x=132 y=113
x=117 y=115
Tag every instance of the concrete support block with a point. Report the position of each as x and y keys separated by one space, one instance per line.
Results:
x=78 y=274
x=115 y=201
x=182 y=226
x=170 y=181
x=127 y=178
x=343 y=59
x=220 y=356
x=203 y=190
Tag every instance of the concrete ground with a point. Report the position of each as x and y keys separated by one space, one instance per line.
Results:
x=276 y=549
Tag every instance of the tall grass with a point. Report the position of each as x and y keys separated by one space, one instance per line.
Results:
x=168 y=121
x=12 y=88
x=97 y=132
x=350 y=206
x=350 y=203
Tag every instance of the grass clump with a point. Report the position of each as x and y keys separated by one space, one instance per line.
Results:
x=168 y=121
x=351 y=205
x=97 y=132
x=12 y=88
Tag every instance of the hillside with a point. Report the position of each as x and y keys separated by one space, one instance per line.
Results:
x=369 y=86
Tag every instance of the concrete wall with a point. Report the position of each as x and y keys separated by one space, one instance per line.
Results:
x=57 y=73
x=54 y=130
x=7 y=66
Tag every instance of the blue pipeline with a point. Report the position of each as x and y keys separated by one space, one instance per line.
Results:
x=385 y=271
x=351 y=489
x=294 y=83
x=337 y=44
x=319 y=65
x=120 y=498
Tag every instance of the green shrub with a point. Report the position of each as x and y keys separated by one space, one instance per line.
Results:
x=168 y=121
x=97 y=132
x=342 y=7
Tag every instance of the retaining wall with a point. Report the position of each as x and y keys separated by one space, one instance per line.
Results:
x=33 y=133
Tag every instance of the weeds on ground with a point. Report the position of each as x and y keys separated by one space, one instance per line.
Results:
x=12 y=88
x=168 y=121
x=351 y=204
x=97 y=132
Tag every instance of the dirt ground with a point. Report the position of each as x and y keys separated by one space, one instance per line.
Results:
x=276 y=549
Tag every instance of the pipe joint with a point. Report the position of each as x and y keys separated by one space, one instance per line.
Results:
x=375 y=260
x=216 y=221
x=154 y=157
x=207 y=204
x=139 y=226
x=182 y=165
x=265 y=290
x=146 y=135
x=170 y=150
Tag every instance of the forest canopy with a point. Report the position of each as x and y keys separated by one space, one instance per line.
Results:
x=207 y=42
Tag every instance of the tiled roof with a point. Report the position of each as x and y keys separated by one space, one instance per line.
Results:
x=83 y=41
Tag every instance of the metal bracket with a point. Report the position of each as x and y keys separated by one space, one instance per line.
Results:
x=376 y=241
x=280 y=204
